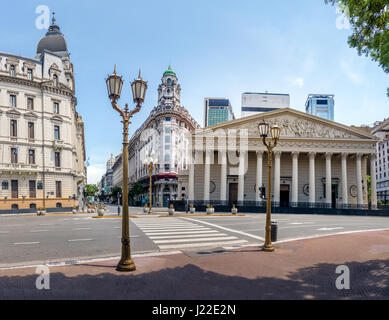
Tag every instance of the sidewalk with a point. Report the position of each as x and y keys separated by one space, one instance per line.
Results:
x=302 y=269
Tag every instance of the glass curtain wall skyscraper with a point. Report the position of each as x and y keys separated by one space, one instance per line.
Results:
x=217 y=110
x=321 y=105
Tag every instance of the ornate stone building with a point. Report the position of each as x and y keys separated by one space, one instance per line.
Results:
x=311 y=152
x=42 y=147
x=166 y=132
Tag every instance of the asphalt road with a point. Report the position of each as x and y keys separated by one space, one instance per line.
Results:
x=27 y=240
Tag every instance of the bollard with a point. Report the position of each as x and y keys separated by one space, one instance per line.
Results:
x=274 y=231
x=118 y=210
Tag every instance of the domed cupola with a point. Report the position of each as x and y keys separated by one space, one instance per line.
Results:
x=54 y=41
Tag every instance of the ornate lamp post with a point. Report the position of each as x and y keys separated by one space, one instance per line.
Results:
x=270 y=143
x=139 y=87
x=150 y=163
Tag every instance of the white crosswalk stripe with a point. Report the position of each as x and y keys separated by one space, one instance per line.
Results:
x=174 y=233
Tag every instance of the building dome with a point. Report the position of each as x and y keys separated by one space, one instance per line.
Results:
x=169 y=72
x=54 y=41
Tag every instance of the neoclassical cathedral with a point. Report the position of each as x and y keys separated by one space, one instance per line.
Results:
x=166 y=132
x=42 y=149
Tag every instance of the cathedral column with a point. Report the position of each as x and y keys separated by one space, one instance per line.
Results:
x=328 y=179
x=223 y=176
x=191 y=179
x=259 y=175
x=295 y=164
x=207 y=175
x=277 y=177
x=373 y=174
x=359 y=180
x=242 y=171
x=344 y=180
x=312 y=189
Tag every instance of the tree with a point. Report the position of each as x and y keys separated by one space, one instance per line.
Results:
x=136 y=189
x=370 y=22
x=91 y=189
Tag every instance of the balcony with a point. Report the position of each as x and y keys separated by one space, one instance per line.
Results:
x=58 y=145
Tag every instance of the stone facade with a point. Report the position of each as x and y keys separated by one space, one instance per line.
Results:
x=310 y=152
x=42 y=148
x=167 y=132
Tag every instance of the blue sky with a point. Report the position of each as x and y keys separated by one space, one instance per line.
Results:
x=217 y=48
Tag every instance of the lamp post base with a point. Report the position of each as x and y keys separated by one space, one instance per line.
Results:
x=126 y=266
x=268 y=248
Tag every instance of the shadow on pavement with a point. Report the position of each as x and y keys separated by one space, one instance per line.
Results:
x=369 y=280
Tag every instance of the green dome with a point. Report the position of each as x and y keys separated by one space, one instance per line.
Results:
x=169 y=72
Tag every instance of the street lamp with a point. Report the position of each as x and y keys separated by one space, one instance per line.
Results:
x=150 y=163
x=270 y=143
x=139 y=87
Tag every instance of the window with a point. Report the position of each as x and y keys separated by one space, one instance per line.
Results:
x=32 y=189
x=12 y=100
x=168 y=119
x=56 y=133
x=4 y=185
x=31 y=156
x=169 y=82
x=55 y=77
x=57 y=159
x=29 y=74
x=12 y=71
x=31 y=130
x=30 y=103
x=14 y=128
x=56 y=107
x=14 y=155
x=58 y=189
x=167 y=139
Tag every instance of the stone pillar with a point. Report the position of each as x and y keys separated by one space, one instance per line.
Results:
x=373 y=174
x=242 y=170
x=312 y=187
x=191 y=180
x=328 y=179
x=223 y=176
x=207 y=175
x=259 y=175
x=344 y=180
x=277 y=177
x=359 y=180
x=295 y=165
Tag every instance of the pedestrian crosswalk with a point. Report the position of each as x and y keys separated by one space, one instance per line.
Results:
x=175 y=233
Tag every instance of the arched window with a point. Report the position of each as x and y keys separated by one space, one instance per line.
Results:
x=32 y=206
x=15 y=207
x=169 y=82
x=167 y=157
x=55 y=77
x=59 y=205
x=12 y=71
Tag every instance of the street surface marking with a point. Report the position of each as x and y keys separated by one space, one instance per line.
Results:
x=330 y=229
x=186 y=236
x=79 y=229
x=4 y=232
x=193 y=245
x=21 y=243
x=177 y=233
x=76 y=240
x=39 y=230
x=228 y=229
x=195 y=240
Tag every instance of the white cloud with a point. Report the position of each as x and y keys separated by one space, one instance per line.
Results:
x=296 y=82
x=95 y=172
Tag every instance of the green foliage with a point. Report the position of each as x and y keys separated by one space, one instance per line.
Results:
x=370 y=22
x=91 y=189
x=136 y=189
x=115 y=191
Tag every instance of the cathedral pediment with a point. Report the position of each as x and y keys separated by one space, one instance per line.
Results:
x=295 y=125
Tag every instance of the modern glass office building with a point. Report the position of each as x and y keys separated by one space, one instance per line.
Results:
x=321 y=105
x=257 y=102
x=217 y=110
